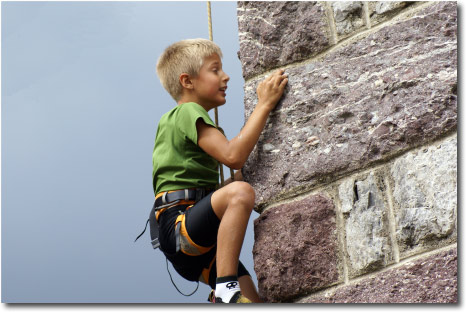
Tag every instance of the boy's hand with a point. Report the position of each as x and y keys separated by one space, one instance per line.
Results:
x=270 y=90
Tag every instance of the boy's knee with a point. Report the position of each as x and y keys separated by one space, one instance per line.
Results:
x=241 y=188
x=244 y=193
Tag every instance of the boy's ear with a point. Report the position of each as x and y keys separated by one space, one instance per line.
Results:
x=185 y=81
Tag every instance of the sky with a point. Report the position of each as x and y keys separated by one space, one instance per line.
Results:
x=80 y=103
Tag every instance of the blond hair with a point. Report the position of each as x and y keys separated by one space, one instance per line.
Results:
x=185 y=56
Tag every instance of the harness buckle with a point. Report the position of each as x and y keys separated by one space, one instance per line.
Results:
x=164 y=198
x=155 y=243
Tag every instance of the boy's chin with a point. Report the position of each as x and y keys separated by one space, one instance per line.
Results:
x=221 y=103
x=217 y=103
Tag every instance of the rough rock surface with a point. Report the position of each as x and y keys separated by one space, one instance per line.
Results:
x=425 y=197
x=366 y=224
x=295 y=248
x=277 y=33
x=348 y=16
x=427 y=280
x=365 y=102
x=379 y=11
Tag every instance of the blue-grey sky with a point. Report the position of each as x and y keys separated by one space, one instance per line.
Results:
x=80 y=107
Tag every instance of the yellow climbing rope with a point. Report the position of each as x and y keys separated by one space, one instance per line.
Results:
x=209 y=21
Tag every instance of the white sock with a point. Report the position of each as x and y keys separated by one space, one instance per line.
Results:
x=226 y=287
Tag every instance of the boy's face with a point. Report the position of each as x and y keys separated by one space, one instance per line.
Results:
x=211 y=83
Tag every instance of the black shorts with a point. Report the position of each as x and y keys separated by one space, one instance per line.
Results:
x=196 y=261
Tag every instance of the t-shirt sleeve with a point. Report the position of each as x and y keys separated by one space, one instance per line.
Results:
x=189 y=114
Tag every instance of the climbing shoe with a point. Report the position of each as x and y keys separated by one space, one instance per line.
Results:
x=211 y=296
x=237 y=298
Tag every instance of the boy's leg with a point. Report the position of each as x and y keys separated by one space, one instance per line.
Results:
x=248 y=289
x=233 y=205
x=223 y=217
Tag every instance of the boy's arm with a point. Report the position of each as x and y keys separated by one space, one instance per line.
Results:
x=234 y=153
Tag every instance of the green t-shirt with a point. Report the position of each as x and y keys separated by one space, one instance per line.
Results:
x=178 y=162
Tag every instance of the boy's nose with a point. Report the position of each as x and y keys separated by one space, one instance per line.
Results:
x=226 y=77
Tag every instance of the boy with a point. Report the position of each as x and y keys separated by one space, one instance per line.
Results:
x=202 y=229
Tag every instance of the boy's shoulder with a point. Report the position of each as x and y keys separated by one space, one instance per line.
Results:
x=185 y=114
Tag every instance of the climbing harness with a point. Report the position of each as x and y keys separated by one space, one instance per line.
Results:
x=166 y=201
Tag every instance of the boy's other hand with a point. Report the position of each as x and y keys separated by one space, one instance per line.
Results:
x=270 y=90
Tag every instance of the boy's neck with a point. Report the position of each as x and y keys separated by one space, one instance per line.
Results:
x=205 y=106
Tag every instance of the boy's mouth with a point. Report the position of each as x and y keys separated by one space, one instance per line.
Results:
x=223 y=90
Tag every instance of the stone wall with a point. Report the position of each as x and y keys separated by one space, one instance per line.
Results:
x=356 y=171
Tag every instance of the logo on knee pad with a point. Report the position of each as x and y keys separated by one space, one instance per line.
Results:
x=232 y=285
